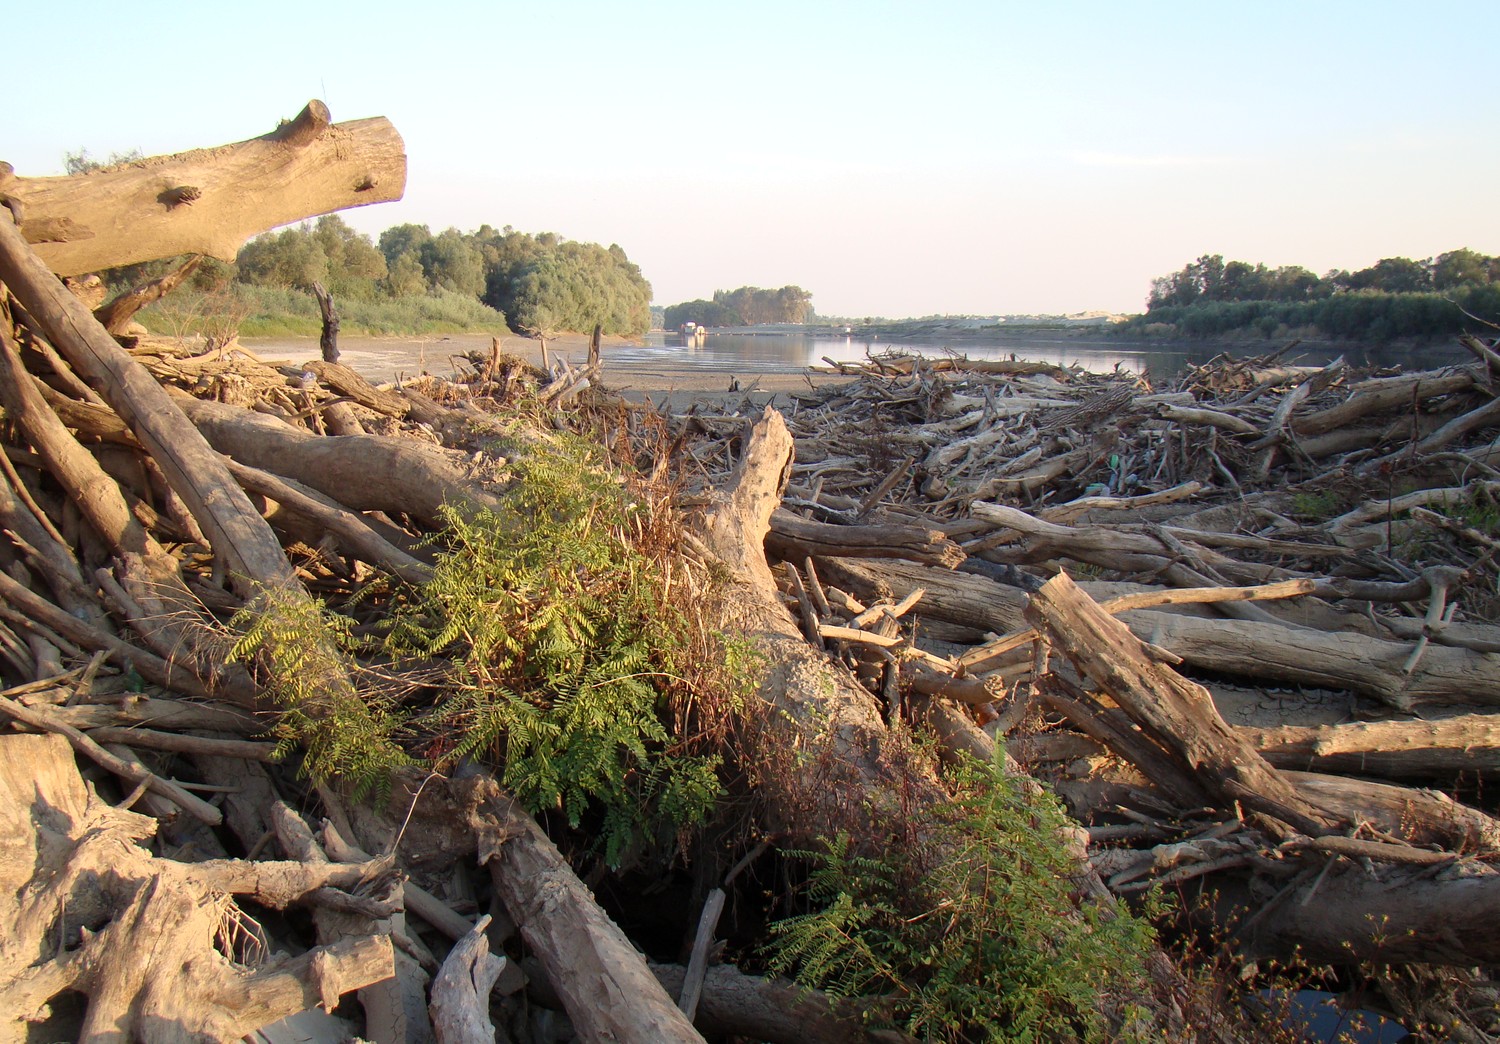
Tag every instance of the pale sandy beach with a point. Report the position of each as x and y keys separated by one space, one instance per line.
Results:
x=383 y=359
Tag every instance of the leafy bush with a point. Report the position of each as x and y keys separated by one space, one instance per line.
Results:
x=573 y=666
x=969 y=931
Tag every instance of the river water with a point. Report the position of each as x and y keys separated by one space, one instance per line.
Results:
x=746 y=352
x=662 y=361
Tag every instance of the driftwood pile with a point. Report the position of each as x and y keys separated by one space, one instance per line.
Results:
x=1246 y=622
x=162 y=877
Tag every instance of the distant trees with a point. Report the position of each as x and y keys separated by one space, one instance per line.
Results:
x=542 y=283
x=1395 y=297
x=328 y=252
x=747 y=306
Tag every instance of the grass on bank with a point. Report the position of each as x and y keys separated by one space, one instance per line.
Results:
x=266 y=311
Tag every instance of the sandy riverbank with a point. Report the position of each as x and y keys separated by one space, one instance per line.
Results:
x=382 y=359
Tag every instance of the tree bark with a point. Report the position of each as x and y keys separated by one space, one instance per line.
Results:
x=209 y=201
x=361 y=472
x=328 y=340
x=603 y=980
x=794 y=538
x=1176 y=713
x=1441 y=749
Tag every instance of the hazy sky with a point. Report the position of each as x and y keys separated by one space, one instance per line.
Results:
x=893 y=159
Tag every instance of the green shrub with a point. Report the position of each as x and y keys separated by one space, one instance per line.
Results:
x=970 y=930
x=571 y=663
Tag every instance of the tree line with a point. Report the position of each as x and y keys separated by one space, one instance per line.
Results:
x=747 y=306
x=1397 y=297
x=541 y=283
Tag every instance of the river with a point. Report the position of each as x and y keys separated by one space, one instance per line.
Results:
x=746 y=351
x=661 y=363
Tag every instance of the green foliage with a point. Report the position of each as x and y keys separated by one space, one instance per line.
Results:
x=568 y=659
x=1394 y=298
x=1317 y=505
x=270 y=311
x=747 y=306
x=547 y=285
x=970 y=930
x=298 y=649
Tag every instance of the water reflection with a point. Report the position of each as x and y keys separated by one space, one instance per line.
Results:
x=791 y=353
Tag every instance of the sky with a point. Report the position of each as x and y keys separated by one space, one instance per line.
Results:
x=893 y=159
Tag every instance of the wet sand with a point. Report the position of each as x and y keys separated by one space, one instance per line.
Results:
x=384 y=359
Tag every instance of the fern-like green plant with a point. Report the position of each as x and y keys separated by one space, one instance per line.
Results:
x=568 y=657
x=971 y=930
x=299 y=650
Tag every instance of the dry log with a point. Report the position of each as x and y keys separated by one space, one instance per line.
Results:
x=807 y=703
x=354 y=535
x=1467 y=744
x=604 y=983
x=1383 y=394
x=1418 y=817
x=1111 y=548
x=117 y=314
x=1176 y=713
x=209 y=201
x=1391 y=916
x=793 y=538
x=238 y=534
x=1256 y=650
x=738 y=1005
x=361 y=472
x=461 y=991
x=1299 y=656
x=170 y=618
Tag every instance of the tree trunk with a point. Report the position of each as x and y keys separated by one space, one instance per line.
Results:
x=1174 y=712
x=328 y=340
x=208 y=201
x=602 y=979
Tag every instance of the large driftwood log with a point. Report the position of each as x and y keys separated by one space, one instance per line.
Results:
x=794 y=538
x=1174 y=712
x=1395 y=915
x=192 y=469
x=208 y=201
x=1469 y=743
x=1246 y=648
x=807 y=704
x=603 y=980
x=361 y=472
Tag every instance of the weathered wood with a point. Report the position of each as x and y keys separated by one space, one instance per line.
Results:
x=328 y=339
x=805 y=703
x=1394 y=916
x=461 y=991
x=1448 y=747
x=739 y=1005
x=149 y=967
x=361 y=472
x=603 y=980
x=794 y=538
x=210 y=201
x=191 y=467
x=1418 y=817
x=117 y=314
x=1174 y=712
